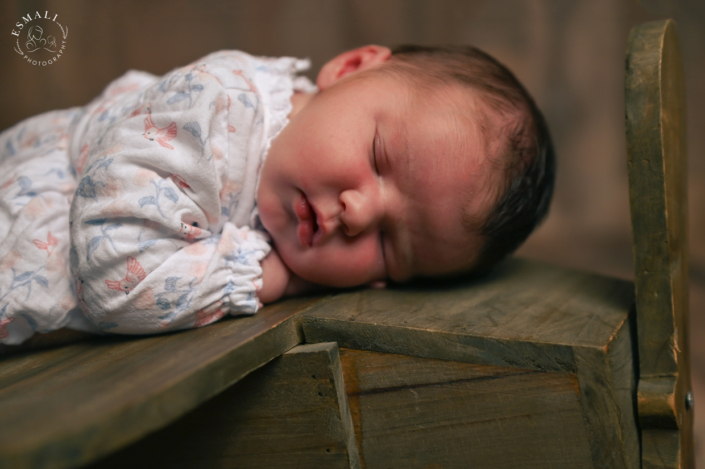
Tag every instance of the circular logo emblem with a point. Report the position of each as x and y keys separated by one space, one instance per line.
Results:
x=40 y=40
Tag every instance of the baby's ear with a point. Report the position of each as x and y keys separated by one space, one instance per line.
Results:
x=350 y=62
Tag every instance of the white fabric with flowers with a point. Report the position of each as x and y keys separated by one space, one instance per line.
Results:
x=136 y=213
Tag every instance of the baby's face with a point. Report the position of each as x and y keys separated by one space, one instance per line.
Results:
x=372 y=180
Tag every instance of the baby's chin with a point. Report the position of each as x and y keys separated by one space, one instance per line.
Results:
x=332 y=279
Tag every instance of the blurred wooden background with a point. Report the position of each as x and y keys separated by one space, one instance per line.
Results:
x=569 y=54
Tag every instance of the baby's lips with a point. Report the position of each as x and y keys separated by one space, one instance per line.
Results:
x=306 y=215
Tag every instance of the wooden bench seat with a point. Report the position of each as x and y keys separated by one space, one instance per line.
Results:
x=74 y=404
x=70 y=405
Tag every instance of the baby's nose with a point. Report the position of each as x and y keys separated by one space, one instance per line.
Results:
x=360 y=211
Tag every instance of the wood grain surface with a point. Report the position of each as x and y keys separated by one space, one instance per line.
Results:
x=527 y=315
x=68 y=406
x=413 y=413
x=656 y=129
x=291 y=413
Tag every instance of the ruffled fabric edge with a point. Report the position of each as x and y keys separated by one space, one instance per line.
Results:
x=278 y=79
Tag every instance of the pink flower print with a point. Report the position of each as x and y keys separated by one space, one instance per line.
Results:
x=122 y=89
x=55 y=262
x=35 y=208
x=10 y=260
x=190 y=231
x=29 y=140
x=143 y=177
x=179 y=181
x=217 y=152
x=3 y=326
x=152 y=132
x=231 y=128
x=220 y=104
x=195 y=249
x=135 y=274
x=49 y=246
x=63 y=142
x=198 y=269
x=209 y=314
x=7 y=184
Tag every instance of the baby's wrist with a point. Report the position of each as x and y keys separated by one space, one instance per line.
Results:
x=275 y=278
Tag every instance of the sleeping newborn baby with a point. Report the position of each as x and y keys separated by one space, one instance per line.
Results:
x=167 y=203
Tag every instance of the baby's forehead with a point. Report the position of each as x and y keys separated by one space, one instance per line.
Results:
x=443 y=139
x=450 y=189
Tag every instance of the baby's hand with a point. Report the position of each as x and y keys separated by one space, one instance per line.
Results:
x=278 y=281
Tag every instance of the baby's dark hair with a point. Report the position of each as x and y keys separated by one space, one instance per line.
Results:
x=529 y=171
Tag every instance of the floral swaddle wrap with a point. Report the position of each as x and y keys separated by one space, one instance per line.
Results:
x=136 y=213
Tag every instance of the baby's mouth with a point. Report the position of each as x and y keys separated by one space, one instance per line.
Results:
x=308 y=222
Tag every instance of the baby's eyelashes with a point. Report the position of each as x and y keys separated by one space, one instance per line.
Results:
x=375 y=163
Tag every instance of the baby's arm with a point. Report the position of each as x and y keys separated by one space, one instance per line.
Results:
x=278 y=281
x=150 y=251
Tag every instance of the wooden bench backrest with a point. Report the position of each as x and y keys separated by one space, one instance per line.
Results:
x=656 y=128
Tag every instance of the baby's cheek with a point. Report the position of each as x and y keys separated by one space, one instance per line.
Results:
x=353 y=265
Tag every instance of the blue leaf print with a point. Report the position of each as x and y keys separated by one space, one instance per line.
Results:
x=86 y=188
x=182 y=302
x=96 y=222
x=24 y=182
x=148 y=200
x=171 y=194
x=10 y=149
x=23 y=276
x=42 y=281
x=114 y=226
x=104 y=164
x=193 y=127
x=178 y=97
x=197 y=88
x=163 y=303
x=225 y=211
x=146 y=244
x=170 y=283
x=59 y=173
x=242 y=97
x=30 y=320
x=93 y=245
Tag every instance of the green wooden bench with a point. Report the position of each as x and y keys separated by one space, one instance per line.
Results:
x=535 y=366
